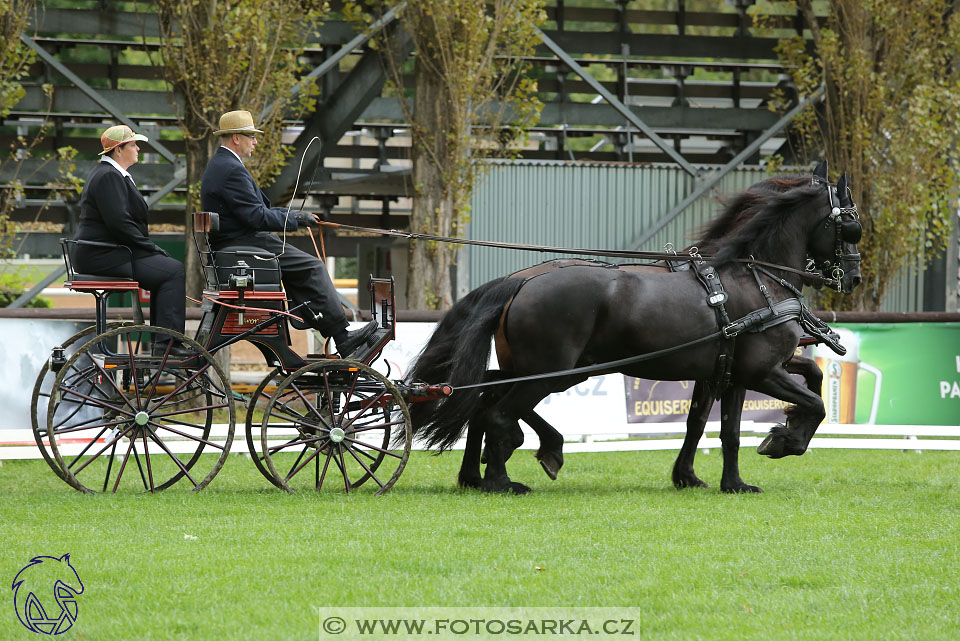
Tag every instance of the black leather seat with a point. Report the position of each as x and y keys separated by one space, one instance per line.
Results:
x=263 y=265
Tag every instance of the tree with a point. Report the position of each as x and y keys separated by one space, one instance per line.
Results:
x=890 y=119
x=15 y=58
x=222 y=55
x=471 y=100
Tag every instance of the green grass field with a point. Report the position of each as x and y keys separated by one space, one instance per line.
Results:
x=843 y=545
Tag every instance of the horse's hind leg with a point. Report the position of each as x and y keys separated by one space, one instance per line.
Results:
x=731 y=407
x=550 y=453
x=470 y=464
x=500 y=423
x=700 y=406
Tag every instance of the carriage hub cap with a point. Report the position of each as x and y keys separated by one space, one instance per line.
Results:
x=336 y=434
x=141 y=418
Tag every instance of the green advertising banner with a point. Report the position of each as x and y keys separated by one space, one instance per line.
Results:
x=892 y=374
x=906 y=373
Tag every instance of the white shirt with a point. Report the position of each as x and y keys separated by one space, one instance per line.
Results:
x=232 y=152
x=123 y=171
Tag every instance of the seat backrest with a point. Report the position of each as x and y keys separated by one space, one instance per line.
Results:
x=265 y=267
x=205 y=222
x=220 y=264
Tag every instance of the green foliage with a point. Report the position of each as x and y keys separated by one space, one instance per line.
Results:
x=12 y=287
x=239 y=54
x=15 y=58
x=891 y=120
x=473 y=100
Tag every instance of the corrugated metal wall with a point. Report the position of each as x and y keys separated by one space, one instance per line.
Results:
x=601 y=206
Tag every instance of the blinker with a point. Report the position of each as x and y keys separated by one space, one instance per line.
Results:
x=851 y=231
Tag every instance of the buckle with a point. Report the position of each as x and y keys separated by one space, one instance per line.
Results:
x=730 y=331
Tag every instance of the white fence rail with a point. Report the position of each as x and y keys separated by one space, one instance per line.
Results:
x=19 y=443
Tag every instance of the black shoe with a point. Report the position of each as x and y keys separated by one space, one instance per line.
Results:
x=177 y=352
x=349 y=342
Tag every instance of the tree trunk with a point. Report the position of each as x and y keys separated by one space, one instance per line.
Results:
x=198 y=155
x=428 y=276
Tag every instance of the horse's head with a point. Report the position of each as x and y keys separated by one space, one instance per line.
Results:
x=833 y=244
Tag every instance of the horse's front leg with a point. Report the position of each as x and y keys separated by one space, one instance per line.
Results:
x=809 y=370
x=802 y=420
x=700 y=405
x=731 y=408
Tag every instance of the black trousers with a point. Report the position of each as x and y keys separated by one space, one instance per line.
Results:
x=305 y=279
x=162 y=276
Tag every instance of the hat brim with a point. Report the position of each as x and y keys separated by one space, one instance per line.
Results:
x=221 y=132
x=139 y=137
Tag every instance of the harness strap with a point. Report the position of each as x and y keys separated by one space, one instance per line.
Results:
x=716 y=297
x=763 y=319
x=757 y=321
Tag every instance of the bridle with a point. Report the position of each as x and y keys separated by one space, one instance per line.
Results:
x=847 y=230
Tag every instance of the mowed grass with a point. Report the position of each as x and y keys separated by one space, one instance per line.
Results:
x=843 y=545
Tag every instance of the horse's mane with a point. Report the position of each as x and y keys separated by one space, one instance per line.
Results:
x=743 y=207
x=754 y=219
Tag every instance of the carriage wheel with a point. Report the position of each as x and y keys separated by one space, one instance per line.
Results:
x=41 y=396
x=124 y=418
x=336 y=424
x=252 y=431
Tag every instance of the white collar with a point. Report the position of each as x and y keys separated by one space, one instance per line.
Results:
x=232 y=152
x=124 y=172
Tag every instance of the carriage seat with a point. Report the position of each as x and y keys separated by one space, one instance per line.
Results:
x=264 y=266
x=89 y=282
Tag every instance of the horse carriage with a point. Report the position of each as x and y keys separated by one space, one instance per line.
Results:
x=731 y=323
x=121 y=405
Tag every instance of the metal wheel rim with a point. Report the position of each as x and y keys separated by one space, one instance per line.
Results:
x=150 y=427
x=398 y=410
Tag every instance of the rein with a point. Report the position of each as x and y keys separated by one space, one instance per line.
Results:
x=609 y=253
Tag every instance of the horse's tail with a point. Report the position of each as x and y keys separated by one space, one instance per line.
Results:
x=458 y=353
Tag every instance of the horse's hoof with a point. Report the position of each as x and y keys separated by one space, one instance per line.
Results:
x=519 y=488
x=777 y=446
x=469 y=481
x=551 y=462
x=681 y=482
x=740 y=488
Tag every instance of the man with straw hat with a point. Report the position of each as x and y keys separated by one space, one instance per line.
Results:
x=246 y=218
x=113 y=211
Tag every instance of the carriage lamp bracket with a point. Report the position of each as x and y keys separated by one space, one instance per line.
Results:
x=57 y=359
x=241 y=281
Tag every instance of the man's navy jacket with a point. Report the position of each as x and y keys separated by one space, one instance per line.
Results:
x=230 y=190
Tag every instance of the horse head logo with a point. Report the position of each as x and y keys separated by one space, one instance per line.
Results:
x=45 y=594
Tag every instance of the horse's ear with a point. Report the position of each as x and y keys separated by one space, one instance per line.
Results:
x=820 y=171
x=65 y=557
x=843 y=191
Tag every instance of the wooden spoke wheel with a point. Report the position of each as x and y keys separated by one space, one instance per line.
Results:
x=120 y=417
x=336 y=425
x=256 y=405
x=41 y=395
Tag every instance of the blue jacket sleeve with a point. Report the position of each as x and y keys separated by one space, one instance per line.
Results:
x=242 y=195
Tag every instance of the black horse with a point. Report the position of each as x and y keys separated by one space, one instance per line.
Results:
x=582 y=315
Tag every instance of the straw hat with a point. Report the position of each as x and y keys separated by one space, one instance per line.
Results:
x=236 y=122
x=116 y=136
